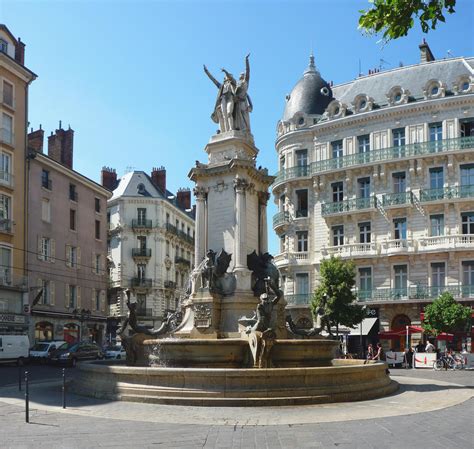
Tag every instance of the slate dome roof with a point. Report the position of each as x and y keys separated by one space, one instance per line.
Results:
x=310 y=95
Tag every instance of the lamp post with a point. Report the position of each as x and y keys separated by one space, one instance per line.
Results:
x=81 y=315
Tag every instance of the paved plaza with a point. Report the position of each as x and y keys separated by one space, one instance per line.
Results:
x=431 y=409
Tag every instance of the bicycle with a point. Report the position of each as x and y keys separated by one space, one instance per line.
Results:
x=453 y=362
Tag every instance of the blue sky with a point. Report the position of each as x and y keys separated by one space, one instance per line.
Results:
x=127 y=75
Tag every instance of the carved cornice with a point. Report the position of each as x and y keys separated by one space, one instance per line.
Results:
x=200 y=193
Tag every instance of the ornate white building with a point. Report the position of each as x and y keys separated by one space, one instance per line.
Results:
x=151 y=243
x=380 y=170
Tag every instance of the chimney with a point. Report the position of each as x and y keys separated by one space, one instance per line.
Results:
x=158 y=177
x=20 y=52
x=425 y=52
x=183 y=198
x=60 y=146
x=108 y=178
x=35 y=140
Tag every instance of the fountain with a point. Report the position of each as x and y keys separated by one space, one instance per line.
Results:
x=231 y=342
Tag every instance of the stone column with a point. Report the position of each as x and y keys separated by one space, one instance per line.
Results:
x=262 y=232
x=200 y=233
x=240 y=186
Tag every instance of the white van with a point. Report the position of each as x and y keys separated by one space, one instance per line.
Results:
x=42 y=350
x=14 y=348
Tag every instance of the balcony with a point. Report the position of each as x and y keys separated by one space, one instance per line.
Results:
x=298 y=300
x=6 y=179
x=376 y=156
x=397 y=246
x=141 y=252
x=350 y=250
x=141 y=223
x=454 y=242
x=141 y=282
x=145 y=312
x=351 y=205
x=447 y=193
x=6 y=225
x=397 y=199
x=182 y=261
x=178 y=233
x=295 y=258
x=169 y=284
x=415 y=293
x=281 y=219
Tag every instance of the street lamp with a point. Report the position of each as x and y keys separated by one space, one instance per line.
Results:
x=81 y=315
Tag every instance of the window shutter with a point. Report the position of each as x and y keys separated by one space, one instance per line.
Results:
x=40 y=248
x=68 y=255
x=93 y=263
x=93 y=299
x=78 y=296
x=102 y=300
x=51 y=293
x=78 y=257
x=53 y=250
x=67 y=296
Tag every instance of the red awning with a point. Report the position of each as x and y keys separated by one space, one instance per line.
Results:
x=394 y=334
x=445 y=336
x=390 y=335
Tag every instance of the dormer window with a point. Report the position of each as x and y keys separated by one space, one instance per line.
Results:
x=336 y=109
x=434 y=89
x=3 y=46
x=362 y=103
x=397 y=95
x=463 y=85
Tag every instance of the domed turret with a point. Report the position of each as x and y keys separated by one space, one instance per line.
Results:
x=311 y=95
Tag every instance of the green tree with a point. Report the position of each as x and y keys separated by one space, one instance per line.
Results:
x=445 y=315
x=334 y=298
x=395 y=18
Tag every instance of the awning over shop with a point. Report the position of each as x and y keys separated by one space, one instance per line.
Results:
x=367 y=325
x=391 y=335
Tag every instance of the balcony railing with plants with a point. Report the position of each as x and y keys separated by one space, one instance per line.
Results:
x=374 y=156
x=298 y=300
x=141 y=223
x=281 y=218
x=142 y=282
x=353 y=204
x=141 y=252
x=446 y=193
x=417 y=292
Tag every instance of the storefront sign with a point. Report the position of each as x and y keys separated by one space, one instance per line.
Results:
x=12 y=318
x=424 y=359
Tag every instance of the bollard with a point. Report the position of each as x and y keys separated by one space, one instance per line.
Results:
x=64 y=387
x=27 y=399
x=19 y=377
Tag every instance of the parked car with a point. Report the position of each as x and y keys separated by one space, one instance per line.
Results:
x=42 y=350
x=14 y=348
x=70 y=354
x=115 y=352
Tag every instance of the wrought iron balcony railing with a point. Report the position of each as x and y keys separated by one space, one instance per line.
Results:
x=141 y=223
x=395 y=199
x=353 y=204
x=141 y=252
x=417 y=292
x=182 y=261
x=298 y=300
x=281 y=218
x=169 y=284
x=446 y=193
x=141 y=282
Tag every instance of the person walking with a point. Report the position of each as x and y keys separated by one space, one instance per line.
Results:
x=430 y=347
x=370 y=352
x=380 y=354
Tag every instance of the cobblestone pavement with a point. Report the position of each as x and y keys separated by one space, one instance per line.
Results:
x=450 y=427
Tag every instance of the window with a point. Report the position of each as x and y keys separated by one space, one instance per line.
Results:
x=177 y=224
x=97 y=297
x=363 y=185
x=167 y=218
x=5 y=213
x=72 y=219
x=398 y=142
x=72 y=297
x=282 y=162
x=401 y=279
x=436 y=132
x=364 y=232
x=45 y=181
x=46 y=296
x=302 y=283
x=98 y=263
x=338 y=235
x=400 y=228
x=365 y=280
x=5 y=167
x=189 y=231
x=301 y=158
x=467 y=178
x=72 y=192
x=301 y=203
x=468 y=273
x=399 y=182
x=72 y=256
x=141 y=239
x=363 y=146
x=436 y=225
x=45 y=249
x=141 y=216
x=3 y=46
x=167 y=248
x=467 y=127
x=7 y=93
x=337 y=191
x=141 y=271
x=97 y=229
x=5 y=265
x=467 y=220
x=436 y=178
x=302 y=241
x=46 y=210
x=7 y=129
x=337 y=151
x=438 y=275
x=97 y=204
x=282 y=244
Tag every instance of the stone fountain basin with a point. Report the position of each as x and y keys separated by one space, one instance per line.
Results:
x=233 y=353
x=343 y=380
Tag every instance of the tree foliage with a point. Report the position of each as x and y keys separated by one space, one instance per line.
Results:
x=395 y=18
x=334 y=296
x=445 y=315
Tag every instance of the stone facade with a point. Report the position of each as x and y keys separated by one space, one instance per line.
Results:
x=384 y=177
x=151 y=243
x=67 y=246
x=15 y=79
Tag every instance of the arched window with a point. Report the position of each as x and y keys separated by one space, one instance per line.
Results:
x=400 y=322
x=44 y=331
